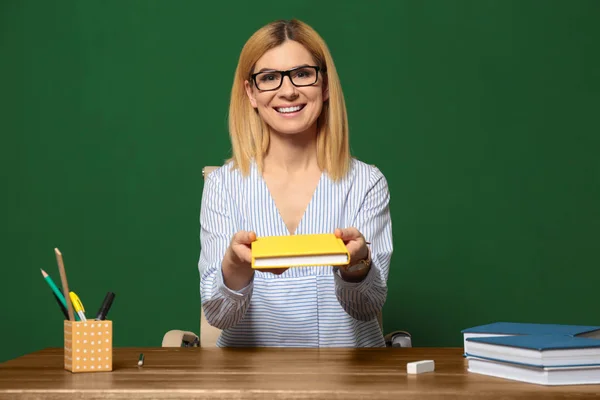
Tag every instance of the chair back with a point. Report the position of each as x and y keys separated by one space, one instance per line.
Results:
x=208 y=333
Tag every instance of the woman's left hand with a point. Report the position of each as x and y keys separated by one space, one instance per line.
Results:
x=355 y=243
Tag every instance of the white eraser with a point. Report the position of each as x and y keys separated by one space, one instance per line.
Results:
x=420 y=367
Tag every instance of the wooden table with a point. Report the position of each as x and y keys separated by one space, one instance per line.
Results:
x=201 y=373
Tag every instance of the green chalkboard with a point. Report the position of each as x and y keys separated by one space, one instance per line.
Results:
x=483 y=115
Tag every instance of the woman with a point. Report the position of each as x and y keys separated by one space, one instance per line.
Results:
x=292 y=173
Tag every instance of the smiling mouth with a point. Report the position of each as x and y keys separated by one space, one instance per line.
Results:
x=289 y=110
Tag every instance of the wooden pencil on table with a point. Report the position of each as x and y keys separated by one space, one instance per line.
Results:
x=65 y=284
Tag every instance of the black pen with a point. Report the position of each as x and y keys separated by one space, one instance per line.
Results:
x=105 y=306
x=61 y=305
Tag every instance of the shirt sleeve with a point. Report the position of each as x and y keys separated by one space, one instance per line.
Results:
x=364 y=300
x=223 y=307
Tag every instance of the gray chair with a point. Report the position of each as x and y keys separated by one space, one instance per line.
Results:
x=209 y=334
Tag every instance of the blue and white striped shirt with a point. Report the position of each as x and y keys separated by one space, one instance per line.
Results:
x=304 y=306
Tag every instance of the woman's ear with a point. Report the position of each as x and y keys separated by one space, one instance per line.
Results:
x=325 y=88
x=248 y=88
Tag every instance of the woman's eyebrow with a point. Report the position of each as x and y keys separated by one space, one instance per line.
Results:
x=272 y=69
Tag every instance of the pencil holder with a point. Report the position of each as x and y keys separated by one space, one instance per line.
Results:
x=88 y=346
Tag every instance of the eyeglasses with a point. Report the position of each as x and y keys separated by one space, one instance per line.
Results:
x=299 y=76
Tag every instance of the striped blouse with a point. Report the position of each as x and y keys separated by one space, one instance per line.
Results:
x=304 y=306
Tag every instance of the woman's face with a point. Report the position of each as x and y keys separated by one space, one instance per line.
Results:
x=288 y=109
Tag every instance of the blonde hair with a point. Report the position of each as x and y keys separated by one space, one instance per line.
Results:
x=250 y=134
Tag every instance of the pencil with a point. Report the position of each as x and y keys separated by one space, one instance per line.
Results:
x=65 y=284
x=56 y=292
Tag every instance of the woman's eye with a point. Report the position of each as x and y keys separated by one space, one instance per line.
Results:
x=268 y=77
x=303 y=74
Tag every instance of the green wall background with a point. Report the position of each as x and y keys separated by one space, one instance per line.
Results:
x=482 y=114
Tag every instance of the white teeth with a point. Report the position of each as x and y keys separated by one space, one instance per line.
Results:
x=288 y=109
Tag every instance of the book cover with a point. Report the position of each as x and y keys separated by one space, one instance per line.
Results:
x=298 y=251
x=518 y=328
x=539 y=342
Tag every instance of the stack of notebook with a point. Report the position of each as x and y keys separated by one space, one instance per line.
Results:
x=545 y=354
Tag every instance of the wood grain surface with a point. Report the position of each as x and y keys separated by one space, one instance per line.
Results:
x=267 y=373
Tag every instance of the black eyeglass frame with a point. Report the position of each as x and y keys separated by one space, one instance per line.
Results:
x=287 y=73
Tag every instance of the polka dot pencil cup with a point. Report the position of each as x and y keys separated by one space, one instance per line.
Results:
x=88 y=346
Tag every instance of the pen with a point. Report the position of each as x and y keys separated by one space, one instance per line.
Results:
x=57 y=293
x=78 y=306
x=108 y=299
x=62 y=307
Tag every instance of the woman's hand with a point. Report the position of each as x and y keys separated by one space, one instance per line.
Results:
x=357 y=247
x=237 y=263
x=355 y=243
x=239 y=252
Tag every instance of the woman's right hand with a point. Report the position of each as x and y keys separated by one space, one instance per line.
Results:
x=239 y=251
x=237 y=263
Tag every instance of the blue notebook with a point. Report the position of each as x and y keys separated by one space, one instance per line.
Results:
x=542 y=376
x=517 y=328
x=539 y=342
x=536 y=350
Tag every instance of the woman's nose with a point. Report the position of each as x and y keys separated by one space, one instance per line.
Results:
x=287 y=87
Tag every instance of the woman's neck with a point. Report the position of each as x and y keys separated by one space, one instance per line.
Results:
x=291 y=153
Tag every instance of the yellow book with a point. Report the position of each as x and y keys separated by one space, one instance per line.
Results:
x=298 y=251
